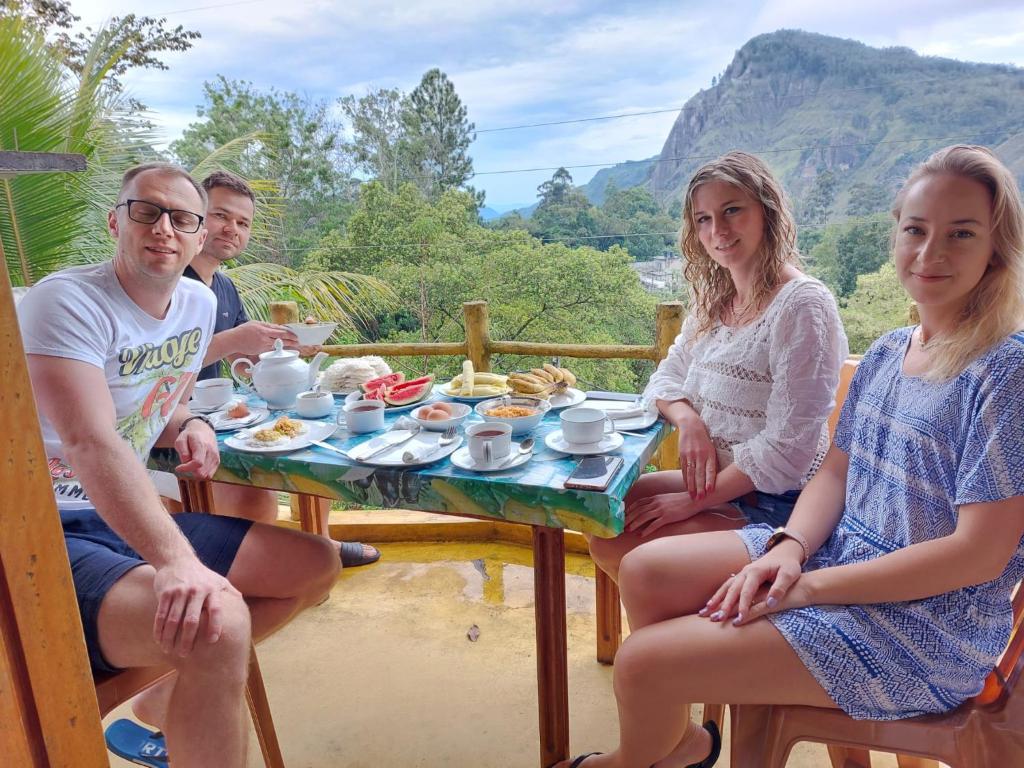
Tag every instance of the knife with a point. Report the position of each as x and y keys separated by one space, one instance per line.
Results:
x=358 y=456
x=626 y=396
x=329 y=447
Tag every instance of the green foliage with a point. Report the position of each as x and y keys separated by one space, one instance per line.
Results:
x=635 y=212
x=438 y=135
x=815 y=207
x=50 y=221
x=436 y=256
x=282 y=137
x=845 y=251
x=377 y=144
x=877 y=306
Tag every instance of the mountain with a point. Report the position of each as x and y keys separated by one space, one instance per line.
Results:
x=809 y=103
x=487 y=213
x=632 y=173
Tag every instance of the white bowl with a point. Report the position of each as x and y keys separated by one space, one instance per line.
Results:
x=459 y=413
x=520 y=424
x=311 y=334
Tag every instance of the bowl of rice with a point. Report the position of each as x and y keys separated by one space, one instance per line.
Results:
x=523 y=414
x=347 y=374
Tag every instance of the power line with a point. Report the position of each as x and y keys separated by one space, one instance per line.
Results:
x=758 y=97
x=754 y=151
x=208 y=7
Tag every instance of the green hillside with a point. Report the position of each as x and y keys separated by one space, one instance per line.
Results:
x=843 y=107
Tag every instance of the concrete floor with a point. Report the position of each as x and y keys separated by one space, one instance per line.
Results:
x=383 y=674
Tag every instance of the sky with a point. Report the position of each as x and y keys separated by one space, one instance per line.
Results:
x=529 y=61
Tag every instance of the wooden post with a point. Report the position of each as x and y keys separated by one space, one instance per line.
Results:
x=478 y=334
x=668 y=325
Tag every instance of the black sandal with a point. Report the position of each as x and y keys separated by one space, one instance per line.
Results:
x=716 y=746
x=579 y=760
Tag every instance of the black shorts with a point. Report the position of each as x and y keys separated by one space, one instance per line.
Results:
x=99 y=557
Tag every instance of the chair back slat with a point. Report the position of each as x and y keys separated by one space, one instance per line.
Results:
x=1001 y=676
x=47 y=701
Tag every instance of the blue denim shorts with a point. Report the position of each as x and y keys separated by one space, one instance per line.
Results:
x=771 y=508
x=99 y=557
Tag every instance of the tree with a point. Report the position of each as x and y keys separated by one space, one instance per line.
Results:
x=877 y=306
x=129 y=42
x=819 y=200
x=50 y=221
x=438 y=134
x=630 y=216
x=557 y=189
x=378 y=136
x=287 y=139
x=850 y=249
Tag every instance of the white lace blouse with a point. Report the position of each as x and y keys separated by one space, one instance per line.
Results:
x=764 y=390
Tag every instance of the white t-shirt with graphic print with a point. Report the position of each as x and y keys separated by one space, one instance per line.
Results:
x=84 y=314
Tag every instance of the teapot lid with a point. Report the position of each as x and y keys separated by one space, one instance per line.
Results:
x=279 y=352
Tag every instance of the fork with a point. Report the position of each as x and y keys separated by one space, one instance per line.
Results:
x=446 y=439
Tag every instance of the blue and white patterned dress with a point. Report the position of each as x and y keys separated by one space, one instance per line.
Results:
x=917 y=451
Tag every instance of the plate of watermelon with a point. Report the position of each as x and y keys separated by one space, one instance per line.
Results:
x=397 y=393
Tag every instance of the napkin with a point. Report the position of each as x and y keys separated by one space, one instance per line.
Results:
x=393 y=437
x=626 y=413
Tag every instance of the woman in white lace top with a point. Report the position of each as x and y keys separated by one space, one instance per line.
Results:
x=751 y=380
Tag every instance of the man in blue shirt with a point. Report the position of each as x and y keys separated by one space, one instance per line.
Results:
x=229 y=216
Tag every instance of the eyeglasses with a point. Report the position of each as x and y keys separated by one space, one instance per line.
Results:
x=149 y=213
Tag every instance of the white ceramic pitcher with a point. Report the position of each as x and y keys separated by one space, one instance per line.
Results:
x=280 y=375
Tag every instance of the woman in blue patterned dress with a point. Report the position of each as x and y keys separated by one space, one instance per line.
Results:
x=888 y=593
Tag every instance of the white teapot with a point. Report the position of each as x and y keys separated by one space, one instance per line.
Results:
x=280 y=375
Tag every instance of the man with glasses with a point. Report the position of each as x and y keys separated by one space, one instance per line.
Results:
x=230 y=212
x=113 y=350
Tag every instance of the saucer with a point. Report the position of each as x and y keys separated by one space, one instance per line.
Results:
x=463 y=460
x=195 y=407
x=606 y=444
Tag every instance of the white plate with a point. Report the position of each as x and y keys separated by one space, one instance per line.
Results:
x=607 y=444
x=424 y=447
x=354 y=396
x=570 y=396
x=443 y=391
x=316 y=430
x=195 y=407
x=634 y=422
x=222 y=423
x=463 y=460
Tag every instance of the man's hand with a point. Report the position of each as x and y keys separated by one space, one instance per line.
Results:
x=184 y=590
x=649 y=514
x=254 y=337
x=197 y=447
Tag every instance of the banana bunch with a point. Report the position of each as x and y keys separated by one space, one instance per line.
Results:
x=542 y=382
x=471 y=383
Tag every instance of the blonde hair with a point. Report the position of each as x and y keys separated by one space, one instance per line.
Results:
x=712 y=288
x=995 y=306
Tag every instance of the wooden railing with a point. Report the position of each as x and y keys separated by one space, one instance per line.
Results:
x=479 y=348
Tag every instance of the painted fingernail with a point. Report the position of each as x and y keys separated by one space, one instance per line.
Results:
x=738 y=619
x=771 y=602
x=702 y=612
x=717 y=616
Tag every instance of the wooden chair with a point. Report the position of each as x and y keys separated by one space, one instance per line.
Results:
x=50 y=705
x=984 y=732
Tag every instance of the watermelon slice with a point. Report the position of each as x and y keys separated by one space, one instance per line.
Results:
x=429 y=379
x=384 y=381
x=409 y=392
x=375 y=394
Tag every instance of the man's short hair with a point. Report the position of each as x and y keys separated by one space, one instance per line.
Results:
x=169 y=169
x=228 y=180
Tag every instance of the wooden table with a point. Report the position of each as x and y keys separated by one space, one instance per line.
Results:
x=529 y=495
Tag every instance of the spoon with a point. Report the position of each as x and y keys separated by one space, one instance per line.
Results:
x=524 y=447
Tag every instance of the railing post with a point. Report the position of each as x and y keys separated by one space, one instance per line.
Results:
x=668 y=324
x=478 y=334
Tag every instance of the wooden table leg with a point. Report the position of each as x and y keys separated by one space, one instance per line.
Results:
x=552 y=648
x=309 y=513
x=196 y=495
x=609 y=617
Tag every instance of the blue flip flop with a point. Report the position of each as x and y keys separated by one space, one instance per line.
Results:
x=137 y=744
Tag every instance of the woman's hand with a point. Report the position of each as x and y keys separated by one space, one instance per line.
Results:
x=653 y=512
x=697 y=457
x=769 y=584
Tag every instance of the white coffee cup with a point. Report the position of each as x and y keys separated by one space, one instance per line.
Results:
x=489 y=441
x=363 y=416
x=314 y=405
x=212 y=393
x=584 y=425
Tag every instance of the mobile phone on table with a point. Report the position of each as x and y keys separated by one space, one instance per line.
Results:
x=594 y=473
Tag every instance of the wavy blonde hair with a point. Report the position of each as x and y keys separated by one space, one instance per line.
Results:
x=712 y=288
x=995 y=306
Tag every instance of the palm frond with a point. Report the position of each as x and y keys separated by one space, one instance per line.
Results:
x=346 y=298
